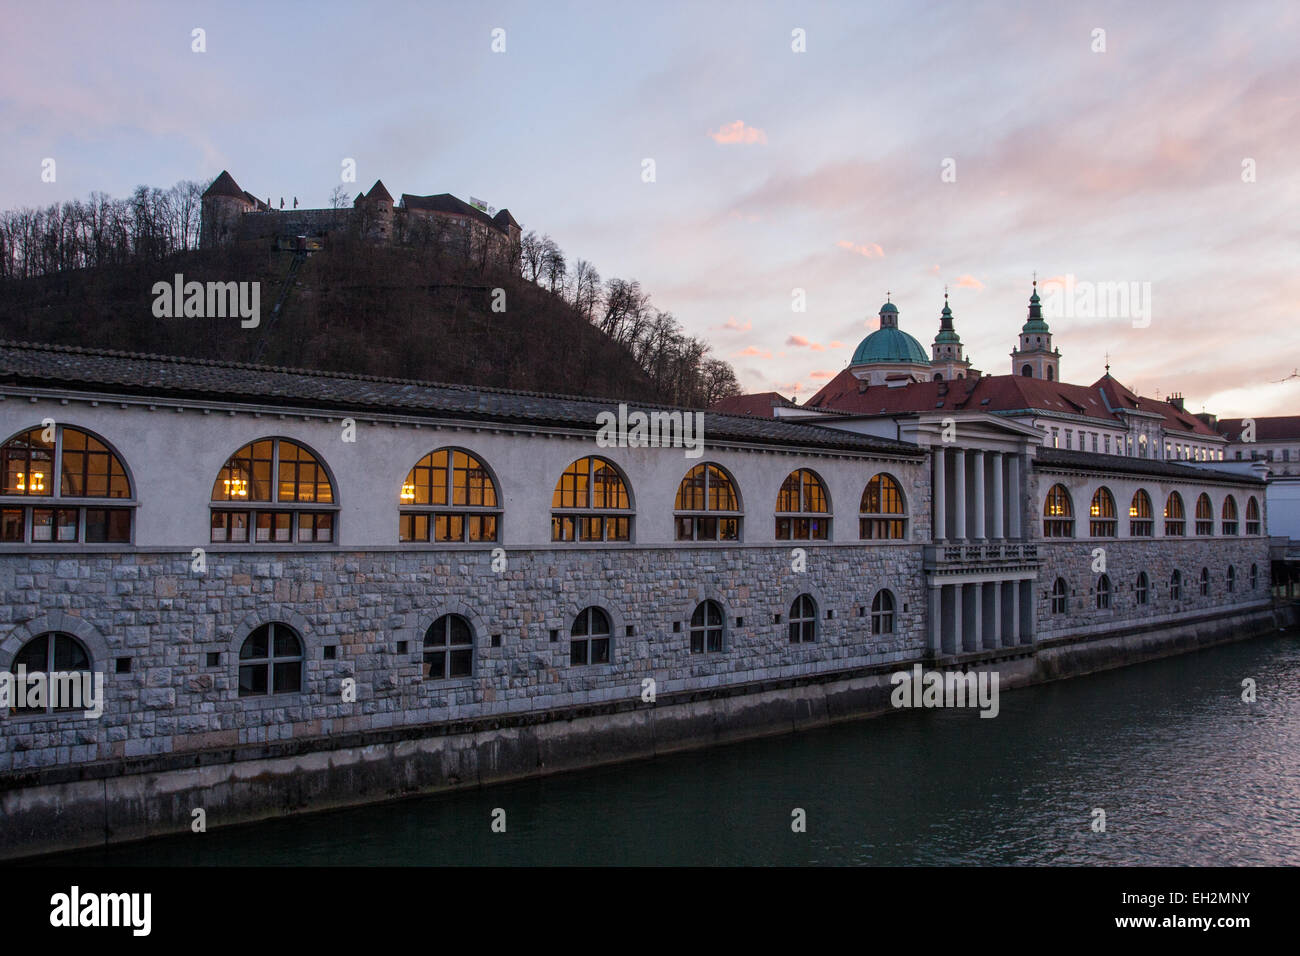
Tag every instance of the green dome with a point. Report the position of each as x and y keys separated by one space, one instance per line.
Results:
x=890 y=345
x=889 y=307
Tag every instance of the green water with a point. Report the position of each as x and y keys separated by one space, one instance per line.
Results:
x=1186 y=772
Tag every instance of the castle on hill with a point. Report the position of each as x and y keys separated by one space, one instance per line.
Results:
x=231 y=214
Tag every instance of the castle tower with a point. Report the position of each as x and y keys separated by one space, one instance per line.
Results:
x=947 y=359
x=376 y=211
x=1035 y=357
x=221 y=206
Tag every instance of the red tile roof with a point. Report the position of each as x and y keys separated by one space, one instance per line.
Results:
x=1277 y=428
x=757 y=403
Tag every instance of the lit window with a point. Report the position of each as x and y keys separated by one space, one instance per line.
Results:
x=1204 y=515
x=1058 y=513
x=707 y=506
x=270 y=661
x=1140 y=520
x=1175 y=523
x=60 y=514
x=1229 y=515
x=1102 y=522
x=283 y=475
x=449 y=496
x=1252 y=516
x=591 y=503
x=802 y=508
x=883 y=511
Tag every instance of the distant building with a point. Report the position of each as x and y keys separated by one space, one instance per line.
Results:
x=231 y=214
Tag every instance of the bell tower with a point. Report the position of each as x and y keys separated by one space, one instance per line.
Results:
x=1035 y=357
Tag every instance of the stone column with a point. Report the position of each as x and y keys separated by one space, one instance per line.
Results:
x=977 y=639
x=1015 y=612
x=1017 y=495
x=959 y=494
x=936 y=618
x=997 y=614
x=939 y=497
x=999 y=528
x=979 y=495
x=958 y=595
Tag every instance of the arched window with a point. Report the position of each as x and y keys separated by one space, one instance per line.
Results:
x=46 y=654
x=1139 y=515
x=1102 y=522
x=1232 y=579
x=1058 y=513
x=448 y=496
x=1027 y=371
x=802 y=508
x=1176 y=586
x=1254 y=576
x=448 y=648
x=1204 y=515
x=707 y=506
x=883 y=510
x=1142 y=590
x=706 y=628
x=589 y=638
x=1252 y=515
x=1205 y=582
x=591 y=503
x=938 y=376
x=1103 y=593
x=1175 y=523
x=803 y=620
x=882 y=613
x=291 y=483
x=1229 y=515
x=270 y=661
x=1060 y=596
x=46 y=513
x=1050 y=374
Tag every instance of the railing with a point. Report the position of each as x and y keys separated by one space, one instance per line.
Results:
x=982 y=553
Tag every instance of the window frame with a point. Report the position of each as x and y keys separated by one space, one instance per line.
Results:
x=1058 y=512
x=1142 y=589
x=431 y=515
x=448 y=650
x=48 y=710
x=707 y=630
x=578 y=518
x=1103 y=523
x=1060 y=596
x=1204 y=515
x=1175 y=524
x=590 y=637
x=801 y=624
x=873 y=520
x=794 y=521
x=253 y=511
x=884 y=612
x=269 y=662
x=696 y=519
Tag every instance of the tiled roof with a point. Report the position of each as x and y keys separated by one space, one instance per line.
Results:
x=1000 y=393
x=1277 y=428
x=447 y=203
x=1092 y=461
x=163 y=377
x=225 y=185
x=378 y=192
x=756 y=403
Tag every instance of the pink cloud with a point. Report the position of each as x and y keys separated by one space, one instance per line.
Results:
x=823 y=373
x=734 y=325
x=803 y=343
x=871 y=250
x=837 y=345
x=751 y=352
x=738 y=132
x=791 y=388
x=968 y=281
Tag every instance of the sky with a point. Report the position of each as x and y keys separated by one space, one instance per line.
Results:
x=904 y=149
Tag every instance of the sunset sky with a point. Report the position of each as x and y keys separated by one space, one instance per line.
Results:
x=775 y=170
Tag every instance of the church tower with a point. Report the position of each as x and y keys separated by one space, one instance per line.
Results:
x=1035 y=358
x=947 y=360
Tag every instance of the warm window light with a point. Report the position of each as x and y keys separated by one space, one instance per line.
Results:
x=408 y=492
x=236 y=487
x=38 y=481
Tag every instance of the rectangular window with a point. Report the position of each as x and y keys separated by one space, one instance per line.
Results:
x=12 y=524
x=54 y=524
x=108 y=525
x=229 y=526
x=315 y=526
x=414 y=527
x=1108 y=444
x=274 y=526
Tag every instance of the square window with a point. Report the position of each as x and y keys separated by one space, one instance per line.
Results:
x=677 y=627
x=214 y=658
x=330 y=652
x=740 y=622
x=123 y=665
x=555 y=635
x=629 y=630
x=496 y=640
x=401 y=647
x=12 y=524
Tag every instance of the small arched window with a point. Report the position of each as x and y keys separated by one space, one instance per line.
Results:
x=1140 y=520
x=1205 y=582
x=1103 y=593
x=1027 y=371
x=706 y=628
x=1058 y=513
x=1254 y=576
x=590 y=636
x=1142 y=589
x=1102 y=522
x=270 y=661
x=802 y=508
x=46 y=512
x=1060 y=596
x=1175 y=517
x=448 y=648
x=290 y=483
x=1176 y=586
x=707 y=506
x=1232 y=579
x=47 y=654
x=448 y=496
x=1204 y=515
x=884 y=513
x=1252 y=515
x=803 y=620
x=591 y=503
x=1050 y=374
x=882 y=612
x=1229 y=515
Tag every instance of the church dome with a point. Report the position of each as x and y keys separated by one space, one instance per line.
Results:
x=891 y=345
x=888 y=307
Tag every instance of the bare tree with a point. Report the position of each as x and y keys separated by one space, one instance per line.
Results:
x=339 y=198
